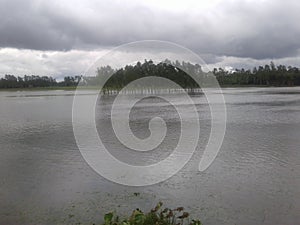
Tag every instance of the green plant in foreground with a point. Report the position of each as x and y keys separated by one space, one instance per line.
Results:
x=157 y=216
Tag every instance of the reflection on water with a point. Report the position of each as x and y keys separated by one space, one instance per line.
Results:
x=254 y=180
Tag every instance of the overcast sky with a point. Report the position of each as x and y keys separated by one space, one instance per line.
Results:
x=62 y=37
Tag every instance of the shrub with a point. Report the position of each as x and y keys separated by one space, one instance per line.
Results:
x=157 y=216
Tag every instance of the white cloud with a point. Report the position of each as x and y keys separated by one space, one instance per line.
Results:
x=49 y=63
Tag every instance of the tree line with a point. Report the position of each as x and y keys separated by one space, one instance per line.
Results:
x=172 y=71
x=34 y=81
x=268 y=75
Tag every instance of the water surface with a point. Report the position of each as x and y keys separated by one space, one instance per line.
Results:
x=254 y=180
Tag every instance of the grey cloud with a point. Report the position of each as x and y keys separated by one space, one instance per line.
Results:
x=255 y=29
x=267 y=29
x=22 y=26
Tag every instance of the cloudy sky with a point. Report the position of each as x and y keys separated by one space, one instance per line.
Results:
x=62 y=37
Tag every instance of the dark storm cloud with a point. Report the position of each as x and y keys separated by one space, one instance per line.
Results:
x=256 y=29
x=22 y=26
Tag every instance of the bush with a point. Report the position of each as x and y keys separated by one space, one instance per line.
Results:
x=157 y=216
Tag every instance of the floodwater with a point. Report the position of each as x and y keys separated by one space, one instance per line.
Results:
x=255 y=178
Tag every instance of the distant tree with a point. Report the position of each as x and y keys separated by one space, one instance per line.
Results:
x=178 y=72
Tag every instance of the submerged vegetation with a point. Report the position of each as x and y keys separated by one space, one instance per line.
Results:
x=268 y=75
x=157 y=216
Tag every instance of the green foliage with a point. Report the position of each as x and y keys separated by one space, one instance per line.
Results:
x=33 y=81
x=176 y=72
x=157 y=216
x=108 y=218
x=10 y=81
x=268 y=75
